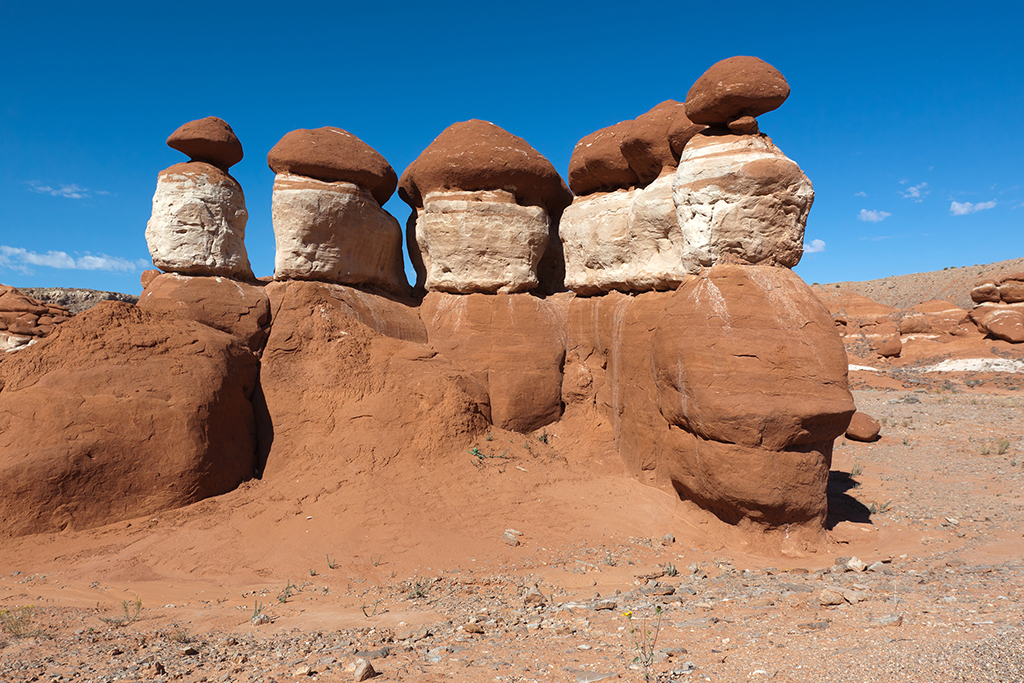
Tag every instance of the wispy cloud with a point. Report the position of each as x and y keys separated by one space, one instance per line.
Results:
x=964 y=208
x=67 y=191
x=860 y=194
x=872 y=216
x=20 y=259
x=814 y=246
x=915 y=192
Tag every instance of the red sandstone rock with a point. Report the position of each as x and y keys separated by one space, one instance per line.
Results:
x=514 y=343
x=148 y=276
x=1002 y=321
x=655 y=139
x=863 y=427
x=122 y=414
x=210 y=140
x=359 y=394
x=597 y=163
x=1011 y=289
x=478 y=155
x=242 y=310
x=332 y=155
x=744 y=125
x=734 y=88
x=985 y=290
x=889 y=345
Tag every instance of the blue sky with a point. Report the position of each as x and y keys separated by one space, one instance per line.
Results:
x=907 y=117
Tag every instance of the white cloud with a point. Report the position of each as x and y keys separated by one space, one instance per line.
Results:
x=964 y=208
x=814 y=246
x=18 y=259
x=872 y=216
x=67 y=191
x=916 y=192
x=860 y=194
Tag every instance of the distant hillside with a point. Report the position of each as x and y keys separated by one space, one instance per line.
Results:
x=904 y=291
x=75 y=300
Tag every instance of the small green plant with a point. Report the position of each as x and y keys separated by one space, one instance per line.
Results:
x=312 y=572
x=644 y=641
x=670 y=569
x=373 y=612
x=131 y=613
x=609 y=560
x=856 y=470
x=330 y=563
x=18 y=622
x=419 y=588
x=1002 y=445
x=289 y=590
x=543 y=438
x=877 y=509
x=257 y=611
x=376 y=563
x=489 y=437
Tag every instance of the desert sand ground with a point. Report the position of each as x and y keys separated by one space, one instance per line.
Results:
x=407 y=567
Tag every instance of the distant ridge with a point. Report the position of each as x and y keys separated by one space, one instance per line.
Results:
x=904 y=291
x=73 y=299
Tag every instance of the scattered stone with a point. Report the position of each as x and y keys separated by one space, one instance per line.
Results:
x=473 y=627
x=668 y=539
x=189 y=651
x=856 y=564
x=863 y=427
x=364 y=670
x=877 y=566
x=888 y=620
x=303 y=670
x=605 y=604
x=815 y=625
x=534 y=597
x=509 y=539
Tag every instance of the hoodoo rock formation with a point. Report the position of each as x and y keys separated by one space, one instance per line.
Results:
x=485 y=207
x=621 y=230
x=686 y=346
x=199 y=216
x=23 y=320
x=328 y=221
x=1000 y=307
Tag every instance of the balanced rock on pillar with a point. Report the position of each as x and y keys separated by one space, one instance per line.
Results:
x=198 y=222
x=621 y=230
x=329 y=223
x=736 y=88
x=740 y=199
x=485 y=204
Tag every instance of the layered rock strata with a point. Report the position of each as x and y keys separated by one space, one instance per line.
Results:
x=329 y=224
x=198 y=222
x=740 y=199
x=476 y=185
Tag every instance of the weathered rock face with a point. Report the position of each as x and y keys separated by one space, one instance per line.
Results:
x=654 y=140
x=198 y=223
x=740 y=199
x=514 y=344
x=730 y=390
x=334 y=155
x=480 y=242
x=627 y=240
x=597 y=163
x=240 y=309
x=122 y=414
x=24 y=320
x=734 y=88
x=210 y=140
x=348 y=377
x=335 y=232
x=478 y=156
x=1002 y=321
